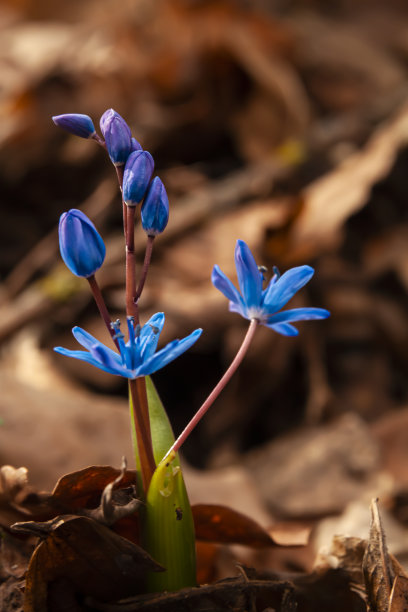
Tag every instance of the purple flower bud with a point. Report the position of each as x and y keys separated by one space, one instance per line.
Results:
x=136 y=178
x=135 y=145
x=81 y=247
x=155 y=208
x=117 y=136
x=79 y=125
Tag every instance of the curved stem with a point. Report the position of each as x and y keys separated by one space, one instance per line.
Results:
x=217 y=389
x=146 y=264
x=99 y=140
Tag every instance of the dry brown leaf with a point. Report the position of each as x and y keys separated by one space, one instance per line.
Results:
x=378 y=571
x=214 y=523
x=91 y=559
x=12 y=481
x=321 y=469
x=290 y=534
x=330 y=200
x=399 y=595
x=381 y=569
x=84 y=488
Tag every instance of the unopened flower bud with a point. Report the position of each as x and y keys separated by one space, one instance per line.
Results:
x=79 y=125
x=135 y=145
x=117 y=136
x=155 y=208
x=138 y=172
x=81 y=246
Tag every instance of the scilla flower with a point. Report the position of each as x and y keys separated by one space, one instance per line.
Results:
x=80 y=125
x=264 y=305
x=155 y=208
x=137 y=356
x=138 y=173
x=118 y=137
x=81 y=247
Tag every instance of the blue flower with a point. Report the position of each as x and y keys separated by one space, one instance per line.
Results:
x=155 y=208
x=118 y=137
x=79 y=125
x=81 y=247
x=264 y=305
x=137 y=356
x=136 y=178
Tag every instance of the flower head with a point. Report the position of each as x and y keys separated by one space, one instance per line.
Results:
x=155 y=208
x=81 y=246
x=265 y=305
x=118 y=137
x=136 y=178
x=137 y=356
x=79 y=125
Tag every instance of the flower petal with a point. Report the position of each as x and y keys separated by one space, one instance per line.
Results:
x=109 y=361
x=85 y=356
x=285 y=329
x=298 y=314
x=149 y=335
x=239 y=309
x=173 y=350
x=280 y=292
x=223 y=284
x=249 y=277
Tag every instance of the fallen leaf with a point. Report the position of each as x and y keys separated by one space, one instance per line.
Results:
x=83 y=489
x=220 y=524
x=92 y=559
x=399 y=595
x=377 y=567
x=326 y=202
x=290 y=534
x=381 y=569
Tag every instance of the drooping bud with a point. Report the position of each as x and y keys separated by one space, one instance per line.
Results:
x=138 y=172
x=117 y=136
x=155 y=208
x=79 y=125
x=81 y=246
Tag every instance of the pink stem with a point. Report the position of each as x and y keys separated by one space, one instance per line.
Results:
x=217 y=389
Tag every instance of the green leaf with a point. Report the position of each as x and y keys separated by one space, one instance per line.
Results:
x=168 y=525
x=162 y=432
x=169 y=530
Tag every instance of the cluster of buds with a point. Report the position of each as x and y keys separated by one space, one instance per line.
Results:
x=128 y=156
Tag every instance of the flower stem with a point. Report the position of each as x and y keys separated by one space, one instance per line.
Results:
x=141 y=425
x=146 y=264
x=131 y=306
x=120 y=170
x=217 y=389
x=100 y=302
x=137 y=387
x=99 y=140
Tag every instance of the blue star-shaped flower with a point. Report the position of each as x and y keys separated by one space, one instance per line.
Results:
x=264 y=305
x=137 y=356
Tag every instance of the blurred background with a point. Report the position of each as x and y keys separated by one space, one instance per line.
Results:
x=283 y=123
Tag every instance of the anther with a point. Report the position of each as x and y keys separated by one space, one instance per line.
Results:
x=262 y=270
x=118 y=336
